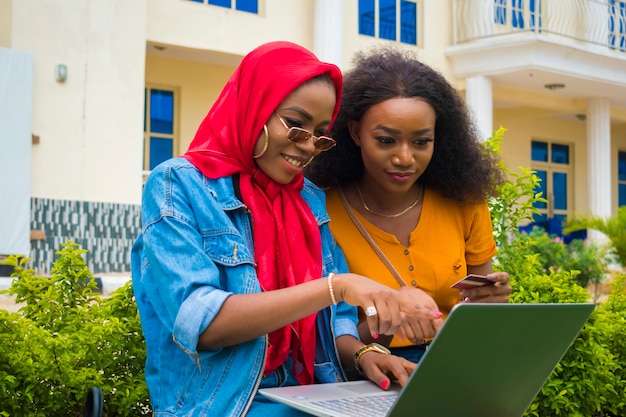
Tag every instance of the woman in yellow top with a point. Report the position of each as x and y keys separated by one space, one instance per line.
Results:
x=407 y=188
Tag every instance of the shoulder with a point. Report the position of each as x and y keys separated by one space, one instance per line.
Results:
x=316 y=199
x=179 y=178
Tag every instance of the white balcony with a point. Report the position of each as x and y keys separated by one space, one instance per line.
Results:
x=582 y=22
x=529 y=44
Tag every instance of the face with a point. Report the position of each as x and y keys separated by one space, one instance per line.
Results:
x=396 y=138
x=310 y=107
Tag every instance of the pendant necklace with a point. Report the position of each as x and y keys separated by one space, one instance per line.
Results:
x=419 y=196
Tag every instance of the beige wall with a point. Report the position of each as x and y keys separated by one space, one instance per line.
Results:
x=6 y=15
x=198 y=85
x=223 y=30
x=98 y=108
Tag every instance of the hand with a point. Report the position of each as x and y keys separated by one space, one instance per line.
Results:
x=497 y=293
x=416 y=329
x=381 y=369
x=389 y=308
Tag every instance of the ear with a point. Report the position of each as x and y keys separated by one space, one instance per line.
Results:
x=353 y=128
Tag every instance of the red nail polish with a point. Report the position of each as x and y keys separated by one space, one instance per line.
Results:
x=438 y=314
x=384 y=384
x=375 y=335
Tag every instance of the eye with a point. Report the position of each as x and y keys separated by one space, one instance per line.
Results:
x=293 y=122
x=385 y=140
x=423 y=141
x=322 y=132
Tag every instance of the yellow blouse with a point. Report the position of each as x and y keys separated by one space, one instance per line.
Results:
x=448 y=237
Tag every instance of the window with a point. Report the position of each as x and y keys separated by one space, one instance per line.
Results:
x=389 y=19
x=516 y=10
x=159 y=126
x=621 y=178
x=617 y=24
x=250 y=6
x=552 y=164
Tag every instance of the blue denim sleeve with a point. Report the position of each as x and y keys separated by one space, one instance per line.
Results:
x=181 y=282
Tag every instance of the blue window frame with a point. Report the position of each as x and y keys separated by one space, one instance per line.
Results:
x=499 y=12
x=516 y=9
x=517 y=13
x=249 y=6
x=552 y=164
x=408 y=22
x=367 y=18
x=159 y=126
x=617 y=24
x=389 y=19
x=621 y=178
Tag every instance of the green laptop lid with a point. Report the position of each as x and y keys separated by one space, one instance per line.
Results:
x=491 y=360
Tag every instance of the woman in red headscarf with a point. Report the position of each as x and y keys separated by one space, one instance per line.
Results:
x=227 y=270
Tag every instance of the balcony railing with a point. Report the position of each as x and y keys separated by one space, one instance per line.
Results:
x=597 y=22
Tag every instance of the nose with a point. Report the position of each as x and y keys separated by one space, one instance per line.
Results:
x=403 y=156
x=308 y=145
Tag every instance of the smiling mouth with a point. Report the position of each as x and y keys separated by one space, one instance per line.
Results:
x=294 y=162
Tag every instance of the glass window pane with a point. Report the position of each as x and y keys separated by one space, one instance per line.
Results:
x=366 y=17
x=560 y=154
x=222 y=3
x=535 y=16
x=622 y=195
x=499 y=11
x=387 y=19
x=517 y=13
x=160 y=150
x=621 y=166
x=408 y=19
x=162 y=111
x=250 y=6
x=541 y=187
x=559 y=188
x=539 y=151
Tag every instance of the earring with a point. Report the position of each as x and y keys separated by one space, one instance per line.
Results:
x=267 y=142
x=308 y=162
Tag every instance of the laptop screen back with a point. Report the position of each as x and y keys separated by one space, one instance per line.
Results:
x=491 y=359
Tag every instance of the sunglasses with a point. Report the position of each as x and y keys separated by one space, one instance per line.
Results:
x=299 y=135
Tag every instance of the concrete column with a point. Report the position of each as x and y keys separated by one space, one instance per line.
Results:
x=599 y=184
x=327 y=34
x=479 y=98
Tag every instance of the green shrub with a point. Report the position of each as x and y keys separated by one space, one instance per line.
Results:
x=590 y=380
x=587 y=261
x=67 y=338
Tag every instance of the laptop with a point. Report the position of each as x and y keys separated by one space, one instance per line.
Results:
x=488 y=360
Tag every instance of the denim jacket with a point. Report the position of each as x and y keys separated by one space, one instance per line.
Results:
x=194 y=251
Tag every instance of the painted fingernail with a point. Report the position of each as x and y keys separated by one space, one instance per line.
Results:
x=465 y=294
x=438 y=314
x=384 y=384
x=375 y=335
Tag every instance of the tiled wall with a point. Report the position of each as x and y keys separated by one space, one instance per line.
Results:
x=106 y=230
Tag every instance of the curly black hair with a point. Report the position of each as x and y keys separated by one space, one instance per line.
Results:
x=461 y=168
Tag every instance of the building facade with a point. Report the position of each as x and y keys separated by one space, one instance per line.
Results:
x=95 y=93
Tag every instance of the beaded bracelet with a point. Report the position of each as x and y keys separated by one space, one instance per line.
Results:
x=330 y=288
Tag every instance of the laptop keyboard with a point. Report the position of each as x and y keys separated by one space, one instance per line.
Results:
x=369 y=406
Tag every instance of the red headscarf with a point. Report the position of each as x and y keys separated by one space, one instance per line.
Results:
x=287 y=243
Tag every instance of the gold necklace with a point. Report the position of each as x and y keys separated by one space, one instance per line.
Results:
x=419 y=196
